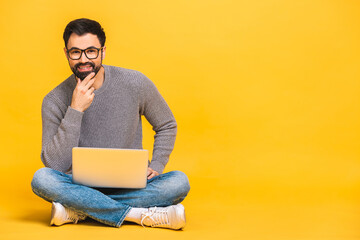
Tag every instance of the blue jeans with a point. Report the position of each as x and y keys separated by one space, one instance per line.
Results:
x=109 y=205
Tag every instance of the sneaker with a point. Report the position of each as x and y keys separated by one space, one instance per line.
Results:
x=172 y=217
x=61 y=215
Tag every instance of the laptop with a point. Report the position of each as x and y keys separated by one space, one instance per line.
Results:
x=110 y=167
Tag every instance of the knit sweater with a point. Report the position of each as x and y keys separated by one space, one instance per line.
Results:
x=113 y=119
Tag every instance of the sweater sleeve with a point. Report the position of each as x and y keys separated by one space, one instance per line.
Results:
x=159 y=115
x=61 y=126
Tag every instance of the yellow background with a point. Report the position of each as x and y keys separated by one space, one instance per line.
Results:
x=265 y=93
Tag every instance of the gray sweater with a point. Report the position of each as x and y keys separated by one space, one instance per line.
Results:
x=113 y=120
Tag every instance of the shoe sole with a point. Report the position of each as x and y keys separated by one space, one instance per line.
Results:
x=53 y=210
x=180 y=211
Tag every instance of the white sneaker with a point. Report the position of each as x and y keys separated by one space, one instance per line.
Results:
x=61 y=215
x=165 y=217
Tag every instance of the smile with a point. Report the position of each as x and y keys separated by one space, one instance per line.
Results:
x=84 y=68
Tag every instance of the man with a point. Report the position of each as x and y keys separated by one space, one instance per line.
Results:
x=101 y=106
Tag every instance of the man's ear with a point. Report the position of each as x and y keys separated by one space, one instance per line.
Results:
x=103 y=52
x=65 y=51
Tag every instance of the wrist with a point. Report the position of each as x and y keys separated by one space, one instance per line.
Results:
x=77 y=108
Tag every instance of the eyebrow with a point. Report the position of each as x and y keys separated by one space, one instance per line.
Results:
x=82 y=49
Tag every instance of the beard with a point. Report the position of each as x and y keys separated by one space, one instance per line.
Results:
x=83 y=75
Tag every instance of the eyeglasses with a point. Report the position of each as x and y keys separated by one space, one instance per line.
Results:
x=90 y=53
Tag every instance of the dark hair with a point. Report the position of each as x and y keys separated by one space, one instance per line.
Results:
x=82 y=26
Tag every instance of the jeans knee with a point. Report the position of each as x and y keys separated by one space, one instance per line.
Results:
x=182 y=183
x=39 y=178
x=43 y=180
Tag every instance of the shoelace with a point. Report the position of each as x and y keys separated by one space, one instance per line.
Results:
x=157 y=217
x=73 y=216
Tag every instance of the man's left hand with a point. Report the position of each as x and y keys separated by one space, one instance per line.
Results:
x=151 y=173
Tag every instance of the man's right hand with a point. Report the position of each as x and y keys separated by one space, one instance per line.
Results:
x=83 y=94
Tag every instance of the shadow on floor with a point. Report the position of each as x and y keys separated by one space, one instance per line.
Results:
x=40 y=216
x=43 y=217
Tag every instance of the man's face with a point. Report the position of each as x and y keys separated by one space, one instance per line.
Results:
x=83 y=66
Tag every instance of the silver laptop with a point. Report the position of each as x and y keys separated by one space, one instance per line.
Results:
x=110 y=167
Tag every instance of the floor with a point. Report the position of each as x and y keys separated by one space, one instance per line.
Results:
x=215 y=209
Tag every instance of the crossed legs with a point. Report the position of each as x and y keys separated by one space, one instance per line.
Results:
x=109 y=206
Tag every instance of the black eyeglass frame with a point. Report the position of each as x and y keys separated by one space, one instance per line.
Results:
x=84 y=51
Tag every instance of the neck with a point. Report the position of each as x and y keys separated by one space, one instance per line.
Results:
x=99 y=78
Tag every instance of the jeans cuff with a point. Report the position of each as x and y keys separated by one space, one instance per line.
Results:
x=122 y=218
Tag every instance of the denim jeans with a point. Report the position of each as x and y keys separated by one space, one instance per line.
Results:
x=109 y=205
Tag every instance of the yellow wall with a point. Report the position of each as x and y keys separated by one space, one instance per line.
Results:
x=266 y=92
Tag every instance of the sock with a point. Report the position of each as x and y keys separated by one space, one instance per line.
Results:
x=134 y=215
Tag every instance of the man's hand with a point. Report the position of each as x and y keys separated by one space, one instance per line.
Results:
x=151 y=173
x=83 y=94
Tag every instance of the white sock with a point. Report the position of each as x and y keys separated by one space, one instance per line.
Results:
x=134 y=215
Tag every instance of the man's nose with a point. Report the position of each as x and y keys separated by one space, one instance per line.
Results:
x=83 y=58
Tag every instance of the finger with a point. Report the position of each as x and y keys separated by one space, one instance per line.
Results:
x=151 y=176
x=78 y=80
x=91 y=90
x=150 y=171
x=90 y=83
